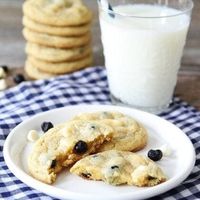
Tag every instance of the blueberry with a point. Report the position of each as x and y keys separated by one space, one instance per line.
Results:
x=93 y=127
x=80 y=147
x=114 y=167
x=86 y=175
x=5 y=68
x=18 y=78
x=46 y=126
x=155 y=155
x=53 y=163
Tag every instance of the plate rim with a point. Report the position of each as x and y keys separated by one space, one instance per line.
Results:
x=42 y=187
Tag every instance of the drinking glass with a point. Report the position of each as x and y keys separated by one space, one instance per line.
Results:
x=143 y=42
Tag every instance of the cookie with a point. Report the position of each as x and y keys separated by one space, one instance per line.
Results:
x=118 y=168
x=35 y=73
x=63 y=145
x=61 y=68
x=129 y=135
x=56 y=30
x=56 y=41
x=57 y=12
x=57 y=55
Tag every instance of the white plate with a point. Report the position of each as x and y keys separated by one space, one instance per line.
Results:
x=177 y=166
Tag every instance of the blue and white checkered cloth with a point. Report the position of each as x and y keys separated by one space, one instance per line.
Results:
x=88 y=86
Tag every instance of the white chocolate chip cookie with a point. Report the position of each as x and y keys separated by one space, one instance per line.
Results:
x=128 y=135
x=119 y=167
x=63 y=145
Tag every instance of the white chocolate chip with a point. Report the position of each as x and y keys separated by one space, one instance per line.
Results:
x=2 y=73
x=108 y=172
x=165 y=150
x=44 y=159
x=96 y=160
x=32 y=136
x=142 y=168
x=3 y=84
x=49 y=163
x=140 y=171
x=87 y=130
x=63 y=145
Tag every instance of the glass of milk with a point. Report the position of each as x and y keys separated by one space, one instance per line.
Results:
x=143 y=43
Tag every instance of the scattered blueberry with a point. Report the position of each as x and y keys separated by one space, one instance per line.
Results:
x=18 y=78
x=114 y=167
x=86 y=175
x=155 y=155
x=46 y=126
x=80 y=147
x=53 y=164
x=5 y=68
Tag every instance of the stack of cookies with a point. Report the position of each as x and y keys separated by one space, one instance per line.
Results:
x=58 y=37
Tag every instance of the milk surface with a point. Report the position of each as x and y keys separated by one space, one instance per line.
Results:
x=142 y=55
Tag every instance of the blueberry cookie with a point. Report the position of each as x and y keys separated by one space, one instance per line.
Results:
x=63 y=145
x=118 y=168
x=57 y=12
x=129 y=135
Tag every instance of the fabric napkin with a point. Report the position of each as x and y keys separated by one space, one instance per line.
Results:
x=88 y=86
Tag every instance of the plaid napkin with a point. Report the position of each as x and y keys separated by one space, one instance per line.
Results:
x=88 y=86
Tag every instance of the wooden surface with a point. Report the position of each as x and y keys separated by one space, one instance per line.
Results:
x=12 y=48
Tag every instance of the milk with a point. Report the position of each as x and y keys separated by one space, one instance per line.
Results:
x=142 y=55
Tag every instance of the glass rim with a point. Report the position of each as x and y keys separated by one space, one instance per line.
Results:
x=112 y=12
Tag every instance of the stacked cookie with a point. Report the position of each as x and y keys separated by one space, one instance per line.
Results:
x=58 y=37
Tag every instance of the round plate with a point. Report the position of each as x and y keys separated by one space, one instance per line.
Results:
x=177 y=166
